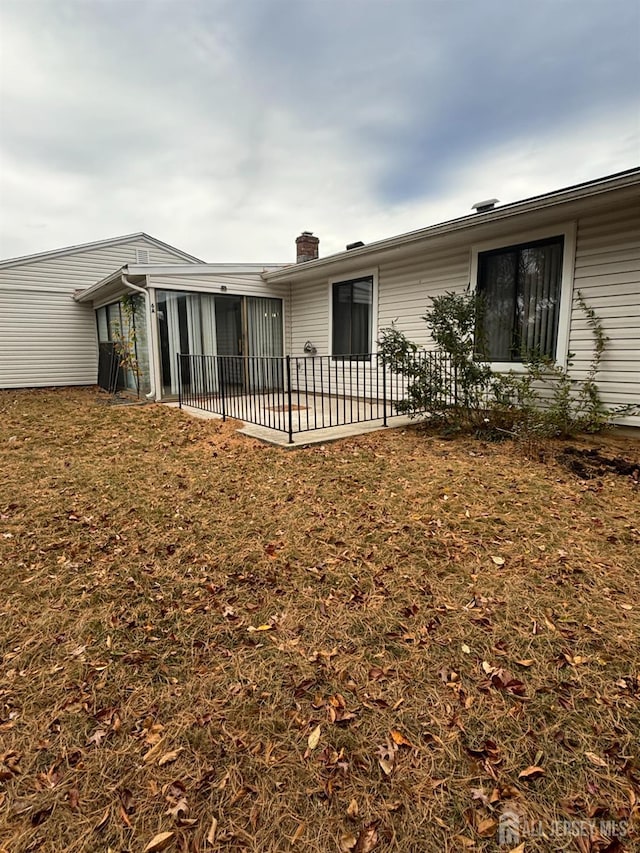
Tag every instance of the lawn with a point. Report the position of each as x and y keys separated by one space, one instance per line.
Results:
x=381 y=644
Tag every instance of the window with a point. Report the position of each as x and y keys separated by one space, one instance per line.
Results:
x=521 y=287
x=352 y=309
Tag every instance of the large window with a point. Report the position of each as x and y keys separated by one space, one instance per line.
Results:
x=352 y=318
x=520 y=288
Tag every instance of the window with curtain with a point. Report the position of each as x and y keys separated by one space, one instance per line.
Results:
x=520 y=288
x=352 y=318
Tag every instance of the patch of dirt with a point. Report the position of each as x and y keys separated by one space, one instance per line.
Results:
x=591 y=463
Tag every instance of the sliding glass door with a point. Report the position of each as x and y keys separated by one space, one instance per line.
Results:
x=213 y=324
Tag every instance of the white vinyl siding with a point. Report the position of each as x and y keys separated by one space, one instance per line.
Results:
x=405 y=288
x=46 y=338
x=607 y=273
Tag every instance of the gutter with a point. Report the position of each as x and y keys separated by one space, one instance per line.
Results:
x=152 y=356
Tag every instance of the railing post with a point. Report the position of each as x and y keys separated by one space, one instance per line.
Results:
x=384 y=392
x=179 y=380
x=222 y=365
x=289 y=401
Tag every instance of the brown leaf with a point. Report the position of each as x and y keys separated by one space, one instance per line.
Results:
x=595 y=759
x=168 y=757
x=352 y=809
x=387 y=766
x=400 y=739
x=159 y=842
x=297 y=835
x=499 y=561
x=74 y=798
x=532 y=772
x=347 y=843
x=487 y=827
x=367 y=839
x=211 y=835
x=314 y=738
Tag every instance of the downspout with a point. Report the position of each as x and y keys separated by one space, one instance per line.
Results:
x=152 y=356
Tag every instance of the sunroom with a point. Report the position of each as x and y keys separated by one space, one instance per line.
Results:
x=150 y=320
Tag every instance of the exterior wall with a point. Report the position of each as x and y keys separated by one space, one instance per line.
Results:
x=607 y=273
x=45 y=337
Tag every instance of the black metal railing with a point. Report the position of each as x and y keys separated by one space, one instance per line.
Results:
x=294 y=394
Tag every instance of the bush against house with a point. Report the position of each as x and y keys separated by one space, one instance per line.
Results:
x=542 y=399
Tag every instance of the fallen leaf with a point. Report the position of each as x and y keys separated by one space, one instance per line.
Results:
x=367 y=839
x=159 y=842
x=260 y=628
x=398 y=738
x=297 y=835
x=352 y=809
x=526 y=663
x=465 y=649
x=74 y=798
x=168 y=757
x=211 y=835
x=387 y=766
x=347 y=843
x=499 y=561
x=595 y=759
x=518 y=849
x=487 y=827
x=314 y=738
x=532 y=772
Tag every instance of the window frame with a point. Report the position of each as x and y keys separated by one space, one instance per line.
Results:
x=566 y=231
x=356 y=275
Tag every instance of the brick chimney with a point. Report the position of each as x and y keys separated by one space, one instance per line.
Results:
x=306 y=247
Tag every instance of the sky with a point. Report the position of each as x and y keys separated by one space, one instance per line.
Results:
x=227 y=127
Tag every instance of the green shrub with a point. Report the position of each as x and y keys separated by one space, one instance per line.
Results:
x=457 y=387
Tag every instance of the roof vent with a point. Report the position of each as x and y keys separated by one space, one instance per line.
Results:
x=357 y=245
x=483 y=206
x=142 y=256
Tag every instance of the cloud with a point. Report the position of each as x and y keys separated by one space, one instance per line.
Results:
x=226 y=128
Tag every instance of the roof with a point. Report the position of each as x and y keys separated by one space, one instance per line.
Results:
x=619 y=180
x=98 y=244
x=140 y=271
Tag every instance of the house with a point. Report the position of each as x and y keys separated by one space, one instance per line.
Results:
x=529 y=258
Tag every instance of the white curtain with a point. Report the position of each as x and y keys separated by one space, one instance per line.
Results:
x=173 y=333
x=209 y=343
x=264 y=328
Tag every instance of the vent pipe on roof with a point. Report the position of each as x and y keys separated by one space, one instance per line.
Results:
x=357 y=245
x=483 y=206
x=306 y=247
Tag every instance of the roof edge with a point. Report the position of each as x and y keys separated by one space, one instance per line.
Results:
x=96 y=244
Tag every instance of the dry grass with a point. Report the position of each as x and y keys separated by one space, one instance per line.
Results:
x=182 y=608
